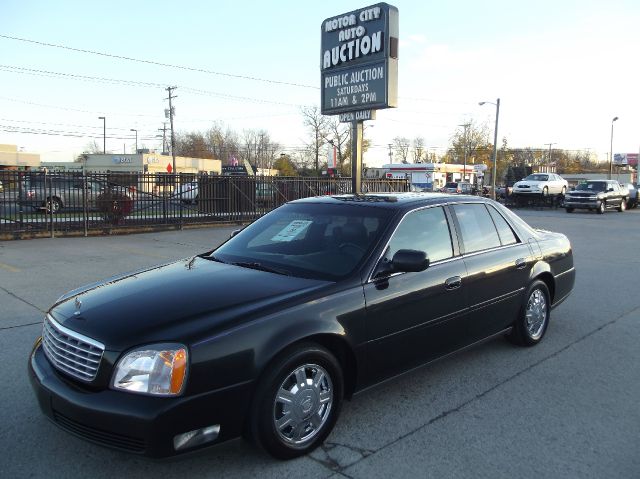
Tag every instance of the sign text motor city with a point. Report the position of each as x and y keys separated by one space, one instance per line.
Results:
x=355 y=42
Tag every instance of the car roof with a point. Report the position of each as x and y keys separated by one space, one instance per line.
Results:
x=392 y=200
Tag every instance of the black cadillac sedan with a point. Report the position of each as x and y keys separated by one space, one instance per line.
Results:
x=267 y=334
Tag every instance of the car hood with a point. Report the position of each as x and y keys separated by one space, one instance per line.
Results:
x=174 y=301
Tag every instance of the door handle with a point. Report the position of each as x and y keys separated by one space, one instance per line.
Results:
x=521 y=263
x=453 y=283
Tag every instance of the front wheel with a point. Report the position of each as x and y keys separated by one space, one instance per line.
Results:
x=569 y=210
x=532 y=322
x=623 y=205
x=545 y=191
x=297 y=401
x=601 y=208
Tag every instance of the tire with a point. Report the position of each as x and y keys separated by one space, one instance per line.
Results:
x=533 y=319
x=292 y=428
x=564 y=191
x=602 y=207
x=545 y=191
x=623 y=206
x=569 y=210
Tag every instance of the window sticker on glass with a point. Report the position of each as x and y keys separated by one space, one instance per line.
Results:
x=292 y=230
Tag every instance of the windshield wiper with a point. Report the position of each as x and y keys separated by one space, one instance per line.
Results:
x=213 y=258
x=261 y=267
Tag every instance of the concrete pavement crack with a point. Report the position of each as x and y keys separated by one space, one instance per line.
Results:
x=481 y=395
x=21 y=299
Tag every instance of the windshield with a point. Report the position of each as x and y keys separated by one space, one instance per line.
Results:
x=537 y=177
x=592 y=186
x=318 y=241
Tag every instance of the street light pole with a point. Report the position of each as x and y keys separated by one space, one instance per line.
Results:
x=104 y=134
x=133 y=129
x=615 y=118
x=464 y=168
x=495 y=147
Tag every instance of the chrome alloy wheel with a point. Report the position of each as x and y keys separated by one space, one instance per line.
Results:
x=536 y=314
x=302 y=404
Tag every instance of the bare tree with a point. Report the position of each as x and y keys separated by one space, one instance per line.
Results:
x=318 y=125
x=473 y=143
x=401 y=147
x=418 y=149
x=223 y=143
x=339 y=136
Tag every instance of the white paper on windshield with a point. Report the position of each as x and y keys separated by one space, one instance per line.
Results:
x=292 y=230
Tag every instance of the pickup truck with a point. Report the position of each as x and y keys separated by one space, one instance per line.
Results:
x=598 y=195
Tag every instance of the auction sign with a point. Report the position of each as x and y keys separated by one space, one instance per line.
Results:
x=359 y=60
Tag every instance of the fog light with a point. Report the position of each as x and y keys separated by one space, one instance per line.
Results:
x=196 y=437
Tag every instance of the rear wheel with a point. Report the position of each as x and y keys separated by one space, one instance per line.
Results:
x=532 y=322
x=297 y=401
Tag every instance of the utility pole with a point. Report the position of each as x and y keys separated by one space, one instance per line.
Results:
x=173 y=137
x=164 y=137
x=549 y=162
x=390 y=153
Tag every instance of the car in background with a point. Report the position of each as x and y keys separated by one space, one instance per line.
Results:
x=1 y=186
x=632 y=198
x=541 y=184
x=597 y=195
x=187 y=193
x=458 y=187
x=268 y=333
x=503 y=191
x=54 y=193
x=265 y=194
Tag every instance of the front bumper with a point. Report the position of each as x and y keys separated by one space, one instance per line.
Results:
x=581 y=203
x=526 y=191
x=132 y=422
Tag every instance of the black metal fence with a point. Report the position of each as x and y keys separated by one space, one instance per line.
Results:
x=41 y=203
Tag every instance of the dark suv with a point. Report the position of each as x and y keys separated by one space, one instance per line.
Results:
x=597 y=195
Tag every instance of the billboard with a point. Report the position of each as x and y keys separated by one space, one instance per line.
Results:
x=359 y=60
x=624 y=159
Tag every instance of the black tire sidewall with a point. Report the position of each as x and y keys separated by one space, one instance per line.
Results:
x=262 y=430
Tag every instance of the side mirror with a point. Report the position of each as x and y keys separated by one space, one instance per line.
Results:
x=610 y=189
x=409 y=261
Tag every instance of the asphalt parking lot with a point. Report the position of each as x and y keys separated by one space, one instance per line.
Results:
x=566 y=408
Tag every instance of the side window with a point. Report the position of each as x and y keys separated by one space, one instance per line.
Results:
x=424 y=230
x=477 y=228
x=504 y=230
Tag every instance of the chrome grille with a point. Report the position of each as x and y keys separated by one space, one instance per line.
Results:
x=71 y=352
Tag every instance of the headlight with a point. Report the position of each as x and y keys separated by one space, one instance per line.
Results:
x=157 y=369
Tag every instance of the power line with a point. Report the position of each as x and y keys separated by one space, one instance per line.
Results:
x=115 y=81
x=152 y=62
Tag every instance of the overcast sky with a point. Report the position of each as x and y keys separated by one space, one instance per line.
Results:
x=562 y=70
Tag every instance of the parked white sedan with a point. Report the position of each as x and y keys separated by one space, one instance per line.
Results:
x=541 y=184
